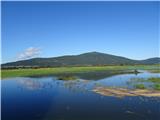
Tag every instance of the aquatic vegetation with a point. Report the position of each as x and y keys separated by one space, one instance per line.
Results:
x=140 y=82
x=157 y=86
x=151 y=79
x=140 y=86
x=154 y=79
x=137 y=80
x=67 y=77
x=155 y=71
x=98 y=84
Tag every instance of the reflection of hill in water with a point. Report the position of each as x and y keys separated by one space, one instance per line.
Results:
x=39 y=82
x=33 y=84
x=37 y=85
x=97 y=75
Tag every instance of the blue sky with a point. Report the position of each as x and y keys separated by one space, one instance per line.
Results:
x=48 y=29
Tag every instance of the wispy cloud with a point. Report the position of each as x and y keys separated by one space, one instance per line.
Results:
x=30 y=52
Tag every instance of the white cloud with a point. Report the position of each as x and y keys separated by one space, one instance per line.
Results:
x=30 y=52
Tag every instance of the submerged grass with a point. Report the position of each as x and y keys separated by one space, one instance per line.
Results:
x=151 y=79
x=62 y=70
x=140 y=82
x=154 y=79
x=140 y=86
x=157 y=86
x=155 y=71
x=67 y=77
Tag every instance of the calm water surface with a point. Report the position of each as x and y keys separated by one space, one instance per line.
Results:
x=46 y=98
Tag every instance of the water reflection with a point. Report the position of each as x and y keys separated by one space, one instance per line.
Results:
x=33 y=84
x=101 y=74
x=47 y=98
x=30 y=84
x=36 y=84
x=81 y=85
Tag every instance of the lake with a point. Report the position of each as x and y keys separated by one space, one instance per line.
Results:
x=47 y=98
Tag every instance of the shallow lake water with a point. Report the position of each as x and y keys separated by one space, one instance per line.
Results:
x=47 y=98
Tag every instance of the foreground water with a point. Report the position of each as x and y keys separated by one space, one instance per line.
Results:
x=46 y=98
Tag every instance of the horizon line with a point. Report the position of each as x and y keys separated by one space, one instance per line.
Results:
x=79 y=54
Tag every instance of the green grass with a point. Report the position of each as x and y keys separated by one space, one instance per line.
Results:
x=154 y=79
x=139 y=82
x=157 y=86
x=67 y=77
x=62 y=70
x=140 y=86
x=151 y=79
x=155 y=71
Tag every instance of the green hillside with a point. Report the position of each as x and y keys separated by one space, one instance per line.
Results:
x=86 y=59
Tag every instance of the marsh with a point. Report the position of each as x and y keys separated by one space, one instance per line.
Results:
x=48 y=98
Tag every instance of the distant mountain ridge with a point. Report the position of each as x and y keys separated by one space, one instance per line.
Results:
x=85 y=59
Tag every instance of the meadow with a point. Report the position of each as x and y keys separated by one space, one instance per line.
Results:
x=63 y=70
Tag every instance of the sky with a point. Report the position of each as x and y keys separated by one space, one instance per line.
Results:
x=49 y=29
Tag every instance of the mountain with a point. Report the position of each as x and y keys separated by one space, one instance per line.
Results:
x=155 y=60
x=86 y=59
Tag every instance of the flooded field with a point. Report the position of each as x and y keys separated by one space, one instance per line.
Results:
x=48 y=98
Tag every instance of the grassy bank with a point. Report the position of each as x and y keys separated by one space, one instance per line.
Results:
x=61 y=70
